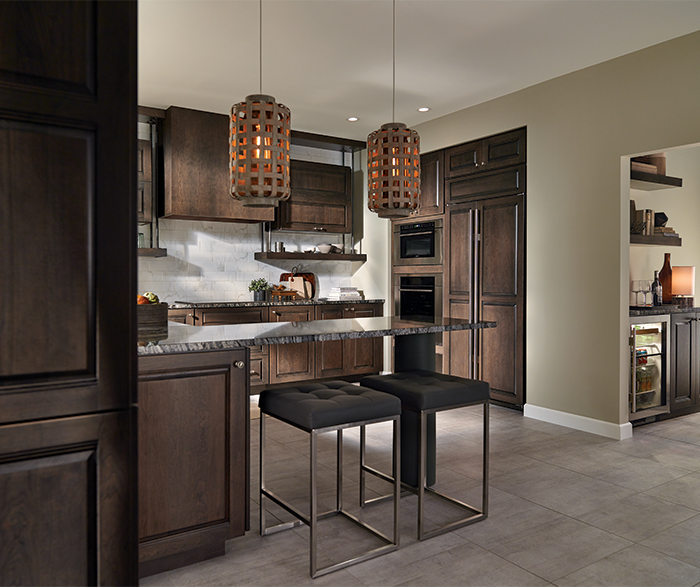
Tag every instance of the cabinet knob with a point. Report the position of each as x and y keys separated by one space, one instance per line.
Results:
x=239 y=364
x=319 y=229
x=351 y=309
x=273 y=312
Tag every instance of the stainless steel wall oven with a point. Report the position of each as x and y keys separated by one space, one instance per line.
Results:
x=418 y=243
x=418 y=296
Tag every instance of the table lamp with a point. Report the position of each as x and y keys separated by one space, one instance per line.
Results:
x=683 y=286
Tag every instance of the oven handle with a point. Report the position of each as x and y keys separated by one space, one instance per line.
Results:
x=418 y=290
x=416 y=233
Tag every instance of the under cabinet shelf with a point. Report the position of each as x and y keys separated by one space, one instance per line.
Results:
x=664 y=241
x=291 y=256
x=641 y=180
x=144 y=252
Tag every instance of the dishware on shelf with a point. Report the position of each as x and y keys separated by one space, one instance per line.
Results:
x=636 y=290
x=324 y=248
x=646 y=289
x=337 y=248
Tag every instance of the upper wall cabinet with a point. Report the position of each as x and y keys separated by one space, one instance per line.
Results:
x=144 y=177
x=432 y=199
x=486 y=154
x=321 y=199
x=196 y=173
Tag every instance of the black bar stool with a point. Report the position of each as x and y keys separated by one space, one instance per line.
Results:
x=325 y=407
x=422 y=395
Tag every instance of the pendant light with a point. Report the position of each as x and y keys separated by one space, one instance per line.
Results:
x=393 y=162
x=259 y=141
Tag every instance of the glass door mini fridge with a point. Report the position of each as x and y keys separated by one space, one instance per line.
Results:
x=649 y=376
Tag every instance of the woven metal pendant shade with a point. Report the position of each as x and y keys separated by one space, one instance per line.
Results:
x=259 y=139
x=393 y=170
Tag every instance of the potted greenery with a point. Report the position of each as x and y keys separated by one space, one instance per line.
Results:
x=259 y=287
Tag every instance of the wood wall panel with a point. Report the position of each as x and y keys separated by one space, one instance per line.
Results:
x=499 y=230
x=52 y=45
x=46 y=309
x=499 y=352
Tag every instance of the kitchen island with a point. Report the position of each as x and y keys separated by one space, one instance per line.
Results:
x=194 y=431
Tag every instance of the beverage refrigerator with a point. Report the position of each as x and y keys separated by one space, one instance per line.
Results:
x=649 y=373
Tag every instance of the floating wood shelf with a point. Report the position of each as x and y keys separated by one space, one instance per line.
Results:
x=142 y=252
x=664 y=241
x=309 y=257
x=640 y=180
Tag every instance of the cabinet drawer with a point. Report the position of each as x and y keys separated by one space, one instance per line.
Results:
x=219 y=316
x=259 y=369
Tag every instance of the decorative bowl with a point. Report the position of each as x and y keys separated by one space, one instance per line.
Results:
x=324 y=248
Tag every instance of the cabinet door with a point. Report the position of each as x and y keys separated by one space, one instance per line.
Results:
x=291 y=362
x=486 y=154
x=432 y=199
x=180 y=315
x=685 y=367
x=363 y=355
x=463 y=159
x=321 y=198
x=504 y=182
x=193 y=456
x=330 y=355
x=222 y=316
x=144 y=204
x=196 y=174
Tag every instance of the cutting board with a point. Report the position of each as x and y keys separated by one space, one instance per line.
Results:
x=310 y=278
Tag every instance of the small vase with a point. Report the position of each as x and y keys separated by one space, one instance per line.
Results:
x=259 y=296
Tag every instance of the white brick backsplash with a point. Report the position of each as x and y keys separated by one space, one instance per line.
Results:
x=214 y=261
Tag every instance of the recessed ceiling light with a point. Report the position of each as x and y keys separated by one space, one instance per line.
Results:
x=353 y=119
x=423 y=109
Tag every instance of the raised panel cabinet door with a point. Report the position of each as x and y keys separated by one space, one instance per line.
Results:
x=501 y=278
x=463 y=159
x=291 y=362
x=432 y=200
x=459 y=254
x=363 y=355
x=505 y=149
x=503 y=182
x=63 y=484
x=196 y=169
x=320 y=200
x=684 y=361
x=330 y=355
x=193 y=457
x=458 y=347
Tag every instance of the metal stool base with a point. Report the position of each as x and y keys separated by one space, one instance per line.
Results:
x=476 y=514
x=314 y=517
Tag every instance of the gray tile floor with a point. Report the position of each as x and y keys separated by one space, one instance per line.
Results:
x=566 y=508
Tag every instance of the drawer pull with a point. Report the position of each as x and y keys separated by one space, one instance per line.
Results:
x=319 y=229
x=255 y=373
x=239 y=364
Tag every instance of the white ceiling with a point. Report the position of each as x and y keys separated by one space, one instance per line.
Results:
x=331 y=59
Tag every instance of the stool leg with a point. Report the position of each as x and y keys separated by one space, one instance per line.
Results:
x=339 y=472
x=313 y=513
x=363 y=440
x=396 y=470
x=422 y=468
x=262 y=474
x=485 y=471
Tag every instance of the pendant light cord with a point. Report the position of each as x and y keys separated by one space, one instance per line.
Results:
x=393 y=65
x=261 y=44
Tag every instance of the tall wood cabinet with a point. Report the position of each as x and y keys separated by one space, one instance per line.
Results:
x=67 y=318
x=484 y=267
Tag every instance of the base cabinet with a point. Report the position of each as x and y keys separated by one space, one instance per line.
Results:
x=358 y=356
x=193 y=463
x=685 y=362
x=291 y=362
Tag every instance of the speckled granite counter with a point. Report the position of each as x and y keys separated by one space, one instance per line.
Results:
x=186 y=339
x=660 y=310
x=207 y=305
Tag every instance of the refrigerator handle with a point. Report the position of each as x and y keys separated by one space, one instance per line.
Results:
x=474 y=297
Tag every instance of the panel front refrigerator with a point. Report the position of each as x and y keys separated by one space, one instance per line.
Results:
x=649 y=376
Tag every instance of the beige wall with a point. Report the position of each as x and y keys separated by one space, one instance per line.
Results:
x=580 y=126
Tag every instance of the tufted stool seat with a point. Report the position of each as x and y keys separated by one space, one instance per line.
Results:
x=324 y=407
x=422 y=395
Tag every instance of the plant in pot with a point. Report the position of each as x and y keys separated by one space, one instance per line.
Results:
x=259 y=287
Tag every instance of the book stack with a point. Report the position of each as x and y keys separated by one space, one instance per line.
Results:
x=344 y=293
x=665 y=231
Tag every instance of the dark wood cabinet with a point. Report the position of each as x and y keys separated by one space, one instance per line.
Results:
x=432 y=192
x=339 y=358
x=193 y=456
x=502 y=182
x=685 y=362
x=494 y=152
x=68 y=319
x=144 y=177
x=291 y=362
x=196 y=172
x=485 y=272
x=321 y=198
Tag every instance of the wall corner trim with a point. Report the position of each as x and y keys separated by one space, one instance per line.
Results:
x=583 y=423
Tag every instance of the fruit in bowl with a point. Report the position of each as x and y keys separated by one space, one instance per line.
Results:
x=147 y=298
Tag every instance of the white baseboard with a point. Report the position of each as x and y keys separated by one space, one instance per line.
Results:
x=583 y=423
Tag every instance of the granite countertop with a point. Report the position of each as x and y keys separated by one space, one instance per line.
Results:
x=660 y=310
x=251 y=304
x=186 y=339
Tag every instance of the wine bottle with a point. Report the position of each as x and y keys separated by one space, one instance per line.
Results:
x=657 y=290
x=665 y=279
